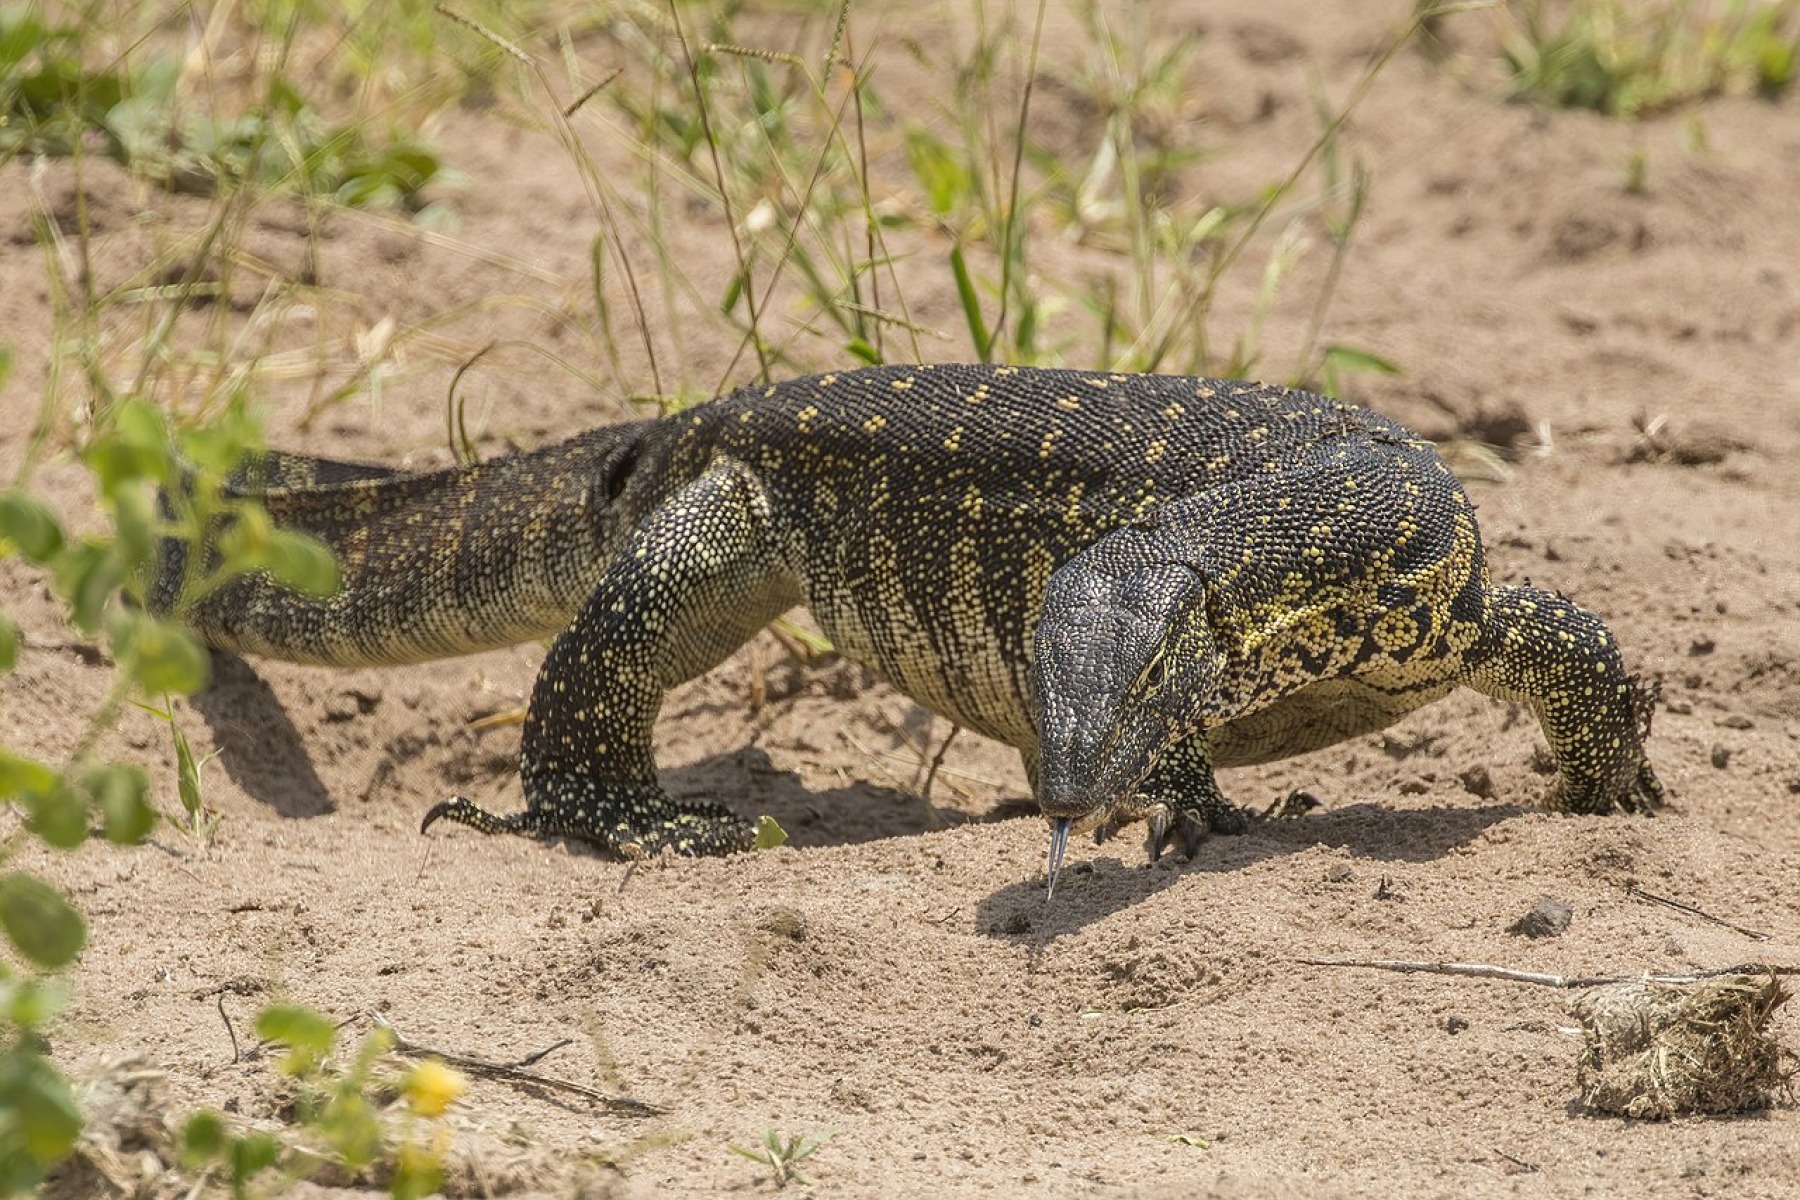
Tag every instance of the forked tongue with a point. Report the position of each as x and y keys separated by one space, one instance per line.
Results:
x=1059 y=842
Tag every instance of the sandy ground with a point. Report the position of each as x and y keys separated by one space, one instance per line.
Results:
x=894 y=976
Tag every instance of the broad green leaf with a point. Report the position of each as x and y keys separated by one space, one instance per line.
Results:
x=134 y=523
x=29 y=526
x=416 y=1173
x=350 y=1125
x=88 y=576
x=120 y=794
x=58 y=814
x=303 y=563
x=43 y=926
x=204 y=1138
x=23 y=777
x=135 y=447
x=41 y=1112
x=245 y=542
x=769 y=833
x=30 y=1003
x=158 y=655
x=307 y=1035
x=252 y=1154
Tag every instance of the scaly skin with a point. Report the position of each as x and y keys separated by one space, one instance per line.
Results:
x=1133 y=579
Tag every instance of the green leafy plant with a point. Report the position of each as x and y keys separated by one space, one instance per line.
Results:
x=341 y=1117
x=1629 y=58
x=131 y=110
x=783 y=1156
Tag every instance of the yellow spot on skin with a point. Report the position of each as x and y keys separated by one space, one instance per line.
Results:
x=1155 y=450
x=1002 y=372
x=955 y=439
x=1095 y=383
x=1049 y=443
x=1072 y=514
x=1068 y=404
x=1174 y=412
x=875 y=424
x=901 y=385
x=1205 y=392
x=827 y=380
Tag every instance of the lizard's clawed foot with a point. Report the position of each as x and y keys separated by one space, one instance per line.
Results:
x=631 y=820
x=1168 y=819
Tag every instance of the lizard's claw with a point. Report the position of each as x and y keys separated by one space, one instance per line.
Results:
x=1165 y=822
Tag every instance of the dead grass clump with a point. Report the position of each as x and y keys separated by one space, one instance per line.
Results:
x=1659 y=1050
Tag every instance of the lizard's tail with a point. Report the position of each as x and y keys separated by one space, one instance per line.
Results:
x=432 y=564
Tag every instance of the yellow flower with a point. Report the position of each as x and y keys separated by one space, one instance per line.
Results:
x=431 y=1087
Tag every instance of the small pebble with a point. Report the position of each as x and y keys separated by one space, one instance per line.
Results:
x=1549 y=917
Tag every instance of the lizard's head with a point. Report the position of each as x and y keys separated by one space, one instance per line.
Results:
x=1121 y=670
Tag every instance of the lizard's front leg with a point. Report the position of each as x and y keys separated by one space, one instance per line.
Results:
x=1546 y=651
x=699 y=576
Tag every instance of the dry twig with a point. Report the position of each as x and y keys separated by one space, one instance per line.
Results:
x=516 y=1073
x=1543 y=979
x=1638 y=893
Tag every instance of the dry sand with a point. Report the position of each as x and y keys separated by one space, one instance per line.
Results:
x=894 y=975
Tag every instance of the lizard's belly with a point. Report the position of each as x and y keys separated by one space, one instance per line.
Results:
x=955 y=644
x=1319 y=715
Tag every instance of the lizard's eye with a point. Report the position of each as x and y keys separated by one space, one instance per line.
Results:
x=1155 y=674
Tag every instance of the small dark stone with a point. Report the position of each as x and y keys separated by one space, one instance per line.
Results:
x=1413 y=787
x=1454 y=1025
x=1701 y=645
x=1477 y=782
x=1549 y=917
x=1735 y=721
x=1721 y=757
x=1339 y=873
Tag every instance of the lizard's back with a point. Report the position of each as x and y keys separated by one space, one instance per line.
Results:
x=925 y=508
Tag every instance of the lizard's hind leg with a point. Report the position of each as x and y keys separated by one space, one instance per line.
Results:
x=700 y=575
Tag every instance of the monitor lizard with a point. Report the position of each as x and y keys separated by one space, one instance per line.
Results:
x=1132 y=579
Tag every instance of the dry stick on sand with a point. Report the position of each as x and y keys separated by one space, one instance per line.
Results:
x=1638 y=893
x=1484 y=971
x=516 y=1073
